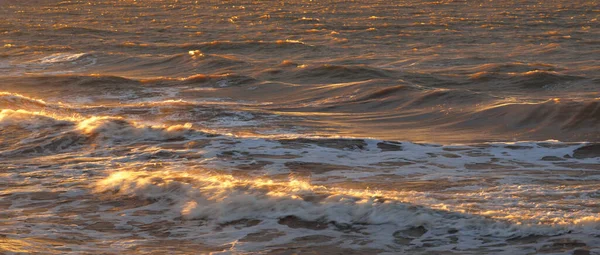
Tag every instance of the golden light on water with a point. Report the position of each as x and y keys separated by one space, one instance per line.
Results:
x=200 y=191
x=325 y=127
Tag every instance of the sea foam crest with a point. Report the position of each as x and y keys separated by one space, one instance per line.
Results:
x=62 y=57
x=224 y=198
x=116 y=128
x=13 y=99
x=106 y=128
x=30 y=120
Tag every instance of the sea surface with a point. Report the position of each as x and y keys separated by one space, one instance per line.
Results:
x=300 y=127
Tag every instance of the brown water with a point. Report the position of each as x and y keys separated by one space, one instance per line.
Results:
x=458 y=127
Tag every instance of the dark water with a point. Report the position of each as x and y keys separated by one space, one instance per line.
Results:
x=234 y=127
x=448 y=71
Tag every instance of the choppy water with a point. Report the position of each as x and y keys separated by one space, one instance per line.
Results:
x=349 y=127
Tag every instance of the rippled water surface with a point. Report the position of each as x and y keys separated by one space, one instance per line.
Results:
x=282 y=127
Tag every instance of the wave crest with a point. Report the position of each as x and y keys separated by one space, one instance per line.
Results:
x=117 y=129
x=221 y=199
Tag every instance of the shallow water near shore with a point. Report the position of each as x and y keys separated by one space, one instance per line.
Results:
x=329 y=127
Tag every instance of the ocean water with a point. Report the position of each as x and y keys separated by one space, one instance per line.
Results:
x=299 y=127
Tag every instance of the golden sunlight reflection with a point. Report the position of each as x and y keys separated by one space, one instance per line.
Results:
x=299 y=126
x=199 y=189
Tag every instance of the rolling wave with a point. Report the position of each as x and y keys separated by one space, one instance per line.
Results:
x=360 y=96
x=43 y=133
x=530 y=80
x=288 y=46
x=284 y=127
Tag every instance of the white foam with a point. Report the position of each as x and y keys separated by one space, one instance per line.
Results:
x=28 y=120
x=495 y=190
x=62 y=57
x=223 y=198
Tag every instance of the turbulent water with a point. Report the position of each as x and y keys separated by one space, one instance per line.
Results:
x=293 y=127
